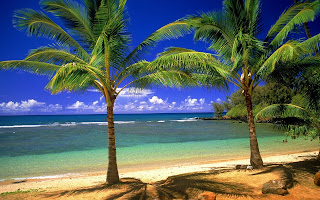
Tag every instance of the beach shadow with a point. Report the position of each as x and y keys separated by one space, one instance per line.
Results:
x=294 y=172
x=129 y=188
x=191 y=185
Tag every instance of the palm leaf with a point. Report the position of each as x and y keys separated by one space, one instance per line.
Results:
x=168 y=78
x=212 y=27
x=38 y=24
x=193 y=61
x=282 y=111
x=55 y=55
x=288 y=51
x=296 y=15
x=75 y=77
x=74 y=16
x=312 y=43
x=30 y=66
x=170 y=31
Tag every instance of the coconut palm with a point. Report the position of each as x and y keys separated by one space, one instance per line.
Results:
x=243 y=59
x=297 y=120
x=92 y=51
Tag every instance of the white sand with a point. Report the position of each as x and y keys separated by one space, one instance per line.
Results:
x=148 y=176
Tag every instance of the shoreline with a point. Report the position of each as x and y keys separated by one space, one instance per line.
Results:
x=147 y=175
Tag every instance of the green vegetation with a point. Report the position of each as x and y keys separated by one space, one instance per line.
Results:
x=218 y=109
x=270 y=93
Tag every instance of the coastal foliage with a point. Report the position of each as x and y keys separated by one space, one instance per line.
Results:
x=218 y=109
x=294 y=119
x=271 y=93
x=241 y=58
x=92 y=50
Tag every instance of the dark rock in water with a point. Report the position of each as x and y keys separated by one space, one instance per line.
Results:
x=275 y=187
x=207 y=196
x=317 y=179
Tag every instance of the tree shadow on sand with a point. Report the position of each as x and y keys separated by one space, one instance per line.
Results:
x=293 y=172
x=189 y=186
x=129 y=188
x=177 y=187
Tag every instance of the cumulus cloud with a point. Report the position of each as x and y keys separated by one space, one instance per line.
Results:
x=134 y=92
x=156 y=100
x=29 y=105
x=80 y=106
x=219 y=100
x=157 y=104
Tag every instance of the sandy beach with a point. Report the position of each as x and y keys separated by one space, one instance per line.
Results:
x=36 y=188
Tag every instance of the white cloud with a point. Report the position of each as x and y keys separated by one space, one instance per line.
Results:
x=202 y=101
x=219 y=100
x=157 y=104
x=93 y=90
x=134 y=92
x=156 y=100
x=190 y=102
x=80 y=106
x=29 y=105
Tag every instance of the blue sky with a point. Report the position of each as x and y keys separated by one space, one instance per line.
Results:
x=22 y=93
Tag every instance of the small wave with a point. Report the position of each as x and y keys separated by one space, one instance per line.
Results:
x=94 y=123
x=66 y=124
x=23 y=126
x=161 y=121
x=124 y=122
x=185 y=120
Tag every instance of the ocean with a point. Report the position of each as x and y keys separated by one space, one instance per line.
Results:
x=56 y=145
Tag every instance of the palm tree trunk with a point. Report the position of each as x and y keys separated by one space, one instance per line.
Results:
x=255 y=157
x=112 y=174
x=318 y=158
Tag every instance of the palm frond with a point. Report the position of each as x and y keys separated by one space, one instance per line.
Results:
x=54 y=55
x=193 y=61
x=253 y=9
x=294 y=16
x=170 y=31
x=168 y=78
x=74 y=16
x=285 y=53
x=110 y=27
x=92 y=8
x=283 y=111
x=312 y=43
x=30 y=66
x=38 y=24
x=134 y=71
x=212 y=28
x=74 y=77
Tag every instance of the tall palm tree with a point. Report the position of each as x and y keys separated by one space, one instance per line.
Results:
x=92 y=51
x=243 y=59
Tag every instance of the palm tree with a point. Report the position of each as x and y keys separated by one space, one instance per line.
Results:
x=92 y=51
x=243 y=59
x=297 y=120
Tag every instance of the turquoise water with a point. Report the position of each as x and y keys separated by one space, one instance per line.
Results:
x=38 y=146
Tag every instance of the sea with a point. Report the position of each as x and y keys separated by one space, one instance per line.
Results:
x=57 y=145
